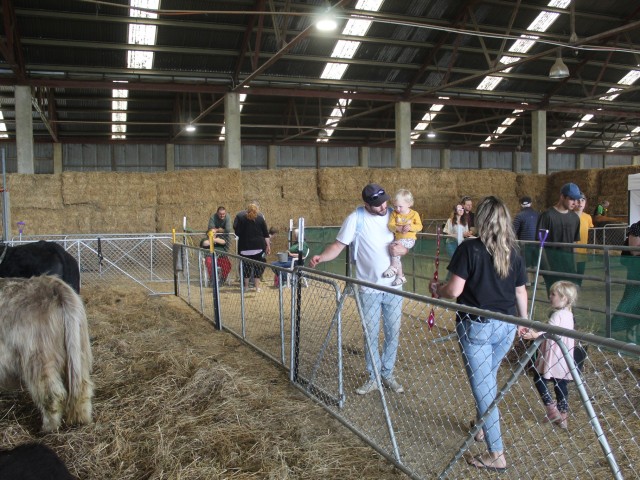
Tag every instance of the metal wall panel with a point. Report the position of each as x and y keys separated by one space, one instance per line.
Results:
x=592 y=160
x=255 y=157
x=382 y=157
x=465 y=159
x=338 y=157
x=425 y=158
x=617 y=160
x=197 y=156
x=296 y=156
x=80 y=157
x=496 y=159
x=139 y=158
x=525 y=162
x=557 y=162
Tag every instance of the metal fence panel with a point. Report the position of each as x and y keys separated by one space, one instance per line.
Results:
x=316 y=333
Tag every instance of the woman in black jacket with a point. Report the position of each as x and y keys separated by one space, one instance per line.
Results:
x=253 y=243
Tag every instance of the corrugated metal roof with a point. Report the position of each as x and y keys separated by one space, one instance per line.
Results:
x=418 y=50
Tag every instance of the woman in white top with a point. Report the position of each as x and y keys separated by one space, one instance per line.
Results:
x=456 y=229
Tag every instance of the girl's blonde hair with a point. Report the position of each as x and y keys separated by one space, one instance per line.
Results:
x=404 y=195
x=495 y=230
x=566 y=290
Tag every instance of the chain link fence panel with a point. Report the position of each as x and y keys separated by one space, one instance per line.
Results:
x=315 y=330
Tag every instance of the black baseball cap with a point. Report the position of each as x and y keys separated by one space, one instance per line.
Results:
x=374 y=195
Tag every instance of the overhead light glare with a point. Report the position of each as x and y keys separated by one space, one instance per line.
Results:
x=190 y=128
x=326 y=22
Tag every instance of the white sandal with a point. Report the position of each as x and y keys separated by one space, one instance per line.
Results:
x=390 y=272
x=399 y=281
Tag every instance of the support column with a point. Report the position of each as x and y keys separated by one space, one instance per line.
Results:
x=24 y=130
x=170 y=154
x=232 y=155
x=635 y=160
x=539 y=142
x=445 y=159
x=272 y=157
x=403 y=135
x=57 y=158
x=363 y=157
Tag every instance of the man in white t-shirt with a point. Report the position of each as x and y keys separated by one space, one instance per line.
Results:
x=372 y=259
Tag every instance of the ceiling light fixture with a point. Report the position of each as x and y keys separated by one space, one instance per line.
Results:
x=190 y=128
x=559 y=69
x=431 y=133
x=326 y=22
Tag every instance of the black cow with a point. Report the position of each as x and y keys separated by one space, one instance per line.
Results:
x=32 y=461
x=39 y=258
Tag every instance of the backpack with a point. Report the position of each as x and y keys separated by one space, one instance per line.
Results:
x=353 y=248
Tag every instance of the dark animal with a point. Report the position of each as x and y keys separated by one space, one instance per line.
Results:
x=44 y=345
x=32 y=461
x=39 y=258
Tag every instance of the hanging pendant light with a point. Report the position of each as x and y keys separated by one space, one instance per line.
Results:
x=559 y=69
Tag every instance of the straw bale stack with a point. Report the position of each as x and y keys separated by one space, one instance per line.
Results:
x=196 y=194
x=534 y=186
x=35 y=191
x=103 y=189
x=613 y=186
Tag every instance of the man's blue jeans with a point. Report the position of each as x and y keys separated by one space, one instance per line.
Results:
x=390 y=306
x=483 y=346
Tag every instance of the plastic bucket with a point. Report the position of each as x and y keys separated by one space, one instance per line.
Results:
x=283 y=256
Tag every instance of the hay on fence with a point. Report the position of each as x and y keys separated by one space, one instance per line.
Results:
x=176 y=399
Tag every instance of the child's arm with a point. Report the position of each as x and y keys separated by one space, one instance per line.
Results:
x=392 y=222
x=416 y=223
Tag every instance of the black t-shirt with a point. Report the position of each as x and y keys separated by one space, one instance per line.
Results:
x=484 y=288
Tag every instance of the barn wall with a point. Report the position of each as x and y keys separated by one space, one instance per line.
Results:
x=119 y=202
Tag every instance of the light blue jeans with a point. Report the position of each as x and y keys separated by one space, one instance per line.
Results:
x=390 y=306
x=483 y=346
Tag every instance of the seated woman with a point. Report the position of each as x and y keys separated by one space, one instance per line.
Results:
x=293 y=254
x=223 y=262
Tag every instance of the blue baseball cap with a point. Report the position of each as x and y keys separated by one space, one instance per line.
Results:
x=571 y=190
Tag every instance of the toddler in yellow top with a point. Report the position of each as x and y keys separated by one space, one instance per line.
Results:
x=404 y=223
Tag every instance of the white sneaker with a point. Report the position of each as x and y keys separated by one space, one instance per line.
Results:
x=392 y=384
x=369 y=386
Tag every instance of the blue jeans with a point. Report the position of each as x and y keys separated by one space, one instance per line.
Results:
x=483 y=346
x=390 y=305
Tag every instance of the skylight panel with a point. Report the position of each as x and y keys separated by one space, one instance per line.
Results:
x=119 y=104
x=118 y=117
x=524 y=44
x=559 y=141
x=507 y=59
x=618 y=144
x=3 y=127
x=630 y=78
x=334 y=71
x=356 y=27
x=543 y=21
x=345 y=49
x=489 y=83
x=371 y=5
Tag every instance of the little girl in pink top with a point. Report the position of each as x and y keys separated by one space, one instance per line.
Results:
x=550 y=364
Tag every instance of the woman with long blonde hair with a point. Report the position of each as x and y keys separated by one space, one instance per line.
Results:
x=487 y=272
